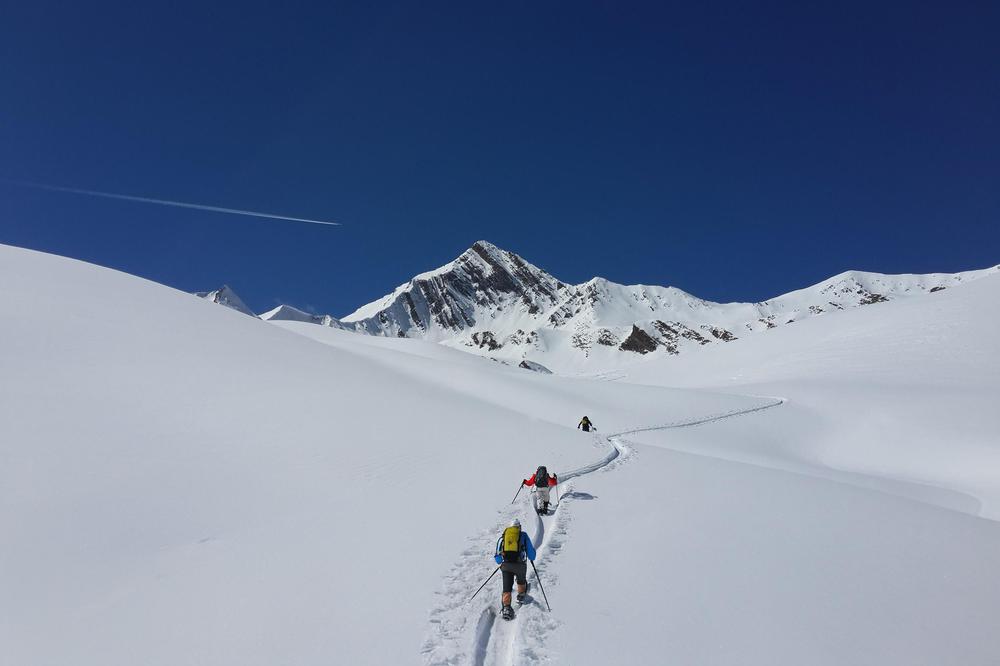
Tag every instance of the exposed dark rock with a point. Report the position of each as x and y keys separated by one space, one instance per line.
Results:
x=534 y=367
x=581 y=341
x=666 y=329
x=722 y=334
x=670 y=336
x=606 y=338
x=639 y=341
x=559 y=317
x=691 y=334
x=871 y=298
x=486 y=339
x=411 y=309
x=519 y=337
x=933 y=289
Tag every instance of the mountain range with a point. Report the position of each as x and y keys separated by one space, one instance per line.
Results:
x=494 y=303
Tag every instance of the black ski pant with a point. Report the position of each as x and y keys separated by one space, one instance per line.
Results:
x=512 y=570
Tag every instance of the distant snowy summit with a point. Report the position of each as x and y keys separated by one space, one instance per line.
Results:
x=492 y=302
x=227 y=297
x=288 y=313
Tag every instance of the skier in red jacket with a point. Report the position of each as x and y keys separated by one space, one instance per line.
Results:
x=542 y=481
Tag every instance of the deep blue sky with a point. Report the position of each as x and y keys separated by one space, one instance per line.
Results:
x=735 y=150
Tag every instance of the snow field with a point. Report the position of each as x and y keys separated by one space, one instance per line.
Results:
x=716 y=562
x=181 y=483
x=899 y=396
x=186 y=484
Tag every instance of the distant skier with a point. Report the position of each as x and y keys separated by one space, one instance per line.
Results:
x=585 y=424
x=542 y=481
x=514 y=549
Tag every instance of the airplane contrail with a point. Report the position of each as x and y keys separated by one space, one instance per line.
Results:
x=164 y=202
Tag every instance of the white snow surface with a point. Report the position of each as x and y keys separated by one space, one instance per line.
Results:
x=228 y=490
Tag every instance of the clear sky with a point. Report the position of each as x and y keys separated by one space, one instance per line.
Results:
x=735 y=150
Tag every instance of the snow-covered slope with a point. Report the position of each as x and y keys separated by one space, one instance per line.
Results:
x=233 y=491
x=227 y=297
x=841 y=528
x=493 y=302
x=288 y=313
x=903 y=392
x=223 y=491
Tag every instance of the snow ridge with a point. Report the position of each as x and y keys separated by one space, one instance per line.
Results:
x=224 y=295
x=288 y=313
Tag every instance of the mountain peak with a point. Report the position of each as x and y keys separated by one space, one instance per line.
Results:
x=485 y=246
x=482 y=283
x=490 y=258
x=225 y=295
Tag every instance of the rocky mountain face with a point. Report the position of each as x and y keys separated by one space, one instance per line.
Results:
x=485 y=285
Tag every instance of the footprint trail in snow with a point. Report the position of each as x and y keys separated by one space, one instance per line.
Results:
x=473 y=633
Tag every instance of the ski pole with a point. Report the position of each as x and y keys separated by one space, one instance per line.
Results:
x=486 y=581
x=540 y=586
x=517 y=493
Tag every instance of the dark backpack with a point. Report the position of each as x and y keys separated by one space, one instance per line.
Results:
x=542 y=477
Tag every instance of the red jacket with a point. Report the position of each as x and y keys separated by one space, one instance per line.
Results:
x=530 y=482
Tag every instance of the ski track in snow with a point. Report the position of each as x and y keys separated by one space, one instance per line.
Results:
x=471 y=633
